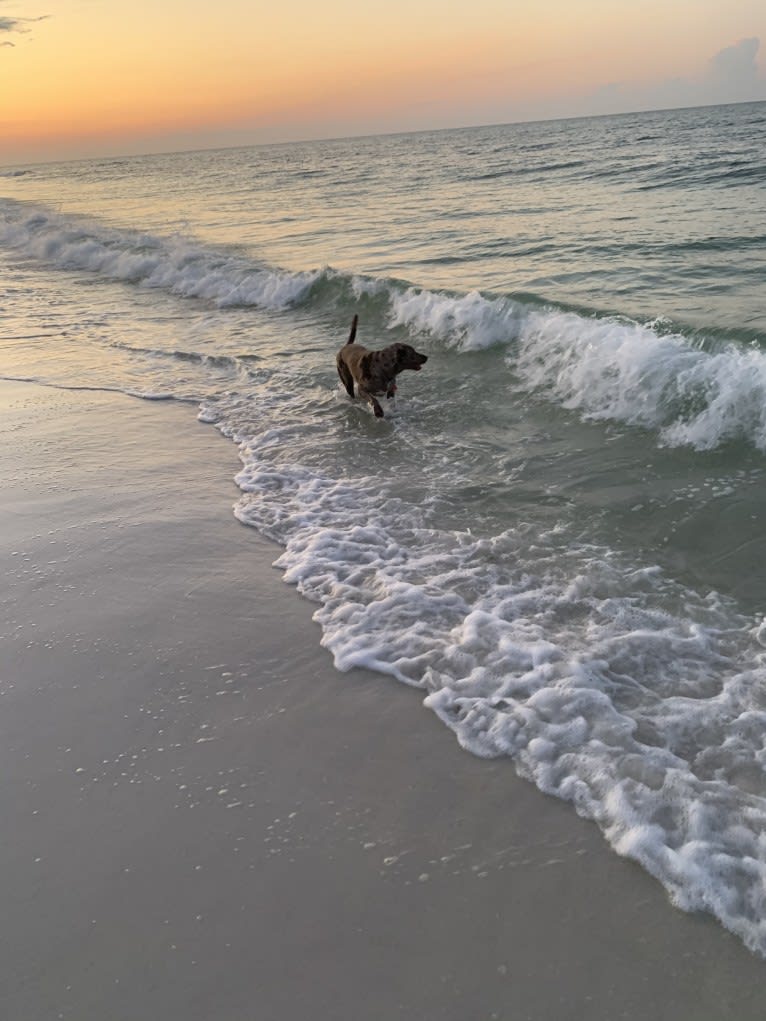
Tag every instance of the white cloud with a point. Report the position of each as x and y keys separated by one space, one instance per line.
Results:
x=731 y=76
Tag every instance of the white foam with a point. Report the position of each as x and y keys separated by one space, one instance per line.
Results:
x=176 y=264
x=610 y=686
x=606 y=368
x=623 y=371
x=468 y=322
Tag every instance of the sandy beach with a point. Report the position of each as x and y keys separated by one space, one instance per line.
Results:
x=203 y=819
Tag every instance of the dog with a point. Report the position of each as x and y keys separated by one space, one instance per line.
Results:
x=375 y=372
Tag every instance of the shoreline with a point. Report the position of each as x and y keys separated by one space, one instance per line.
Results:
x=205 y=819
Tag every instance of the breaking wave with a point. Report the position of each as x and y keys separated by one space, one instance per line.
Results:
x=690 y=390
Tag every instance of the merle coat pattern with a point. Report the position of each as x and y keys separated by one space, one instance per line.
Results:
x=374 y=372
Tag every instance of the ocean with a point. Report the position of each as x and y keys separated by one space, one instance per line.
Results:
x=557 y=531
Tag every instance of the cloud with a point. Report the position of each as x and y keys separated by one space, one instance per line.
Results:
x=736 y=66
x=18 y=25
x=732 y=75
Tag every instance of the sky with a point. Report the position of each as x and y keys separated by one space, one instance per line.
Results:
x=84 y=78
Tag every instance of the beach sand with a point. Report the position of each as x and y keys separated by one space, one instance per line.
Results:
x=203 y=819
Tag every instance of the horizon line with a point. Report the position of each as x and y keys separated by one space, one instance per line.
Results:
x=375 y=134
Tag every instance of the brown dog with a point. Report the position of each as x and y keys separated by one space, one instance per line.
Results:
x=374 y=372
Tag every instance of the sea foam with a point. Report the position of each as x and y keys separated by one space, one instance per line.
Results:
x=176 y=264
x=608 y=684
x=605 y=368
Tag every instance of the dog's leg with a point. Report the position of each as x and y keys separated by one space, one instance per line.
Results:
x=391 y=390
x=346 y=378
x=375 y=405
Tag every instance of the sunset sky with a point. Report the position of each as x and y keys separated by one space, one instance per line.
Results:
x=88 y=77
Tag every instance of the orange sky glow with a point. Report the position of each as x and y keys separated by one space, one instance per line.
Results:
x=89 y=77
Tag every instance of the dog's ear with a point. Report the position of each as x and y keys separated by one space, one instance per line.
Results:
x=365 y=363
x=401 y=353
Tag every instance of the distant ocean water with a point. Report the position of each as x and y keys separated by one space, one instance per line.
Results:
x=557 y=533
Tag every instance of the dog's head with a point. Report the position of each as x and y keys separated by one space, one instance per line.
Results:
x=406 y=357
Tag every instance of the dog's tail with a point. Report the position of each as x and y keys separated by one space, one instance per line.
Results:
x=352 y=335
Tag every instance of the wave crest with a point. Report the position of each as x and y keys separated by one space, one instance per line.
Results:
x=632 y=373
x=691 y=392
x=176 y=264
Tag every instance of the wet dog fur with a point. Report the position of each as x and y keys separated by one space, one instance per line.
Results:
x=374 y=372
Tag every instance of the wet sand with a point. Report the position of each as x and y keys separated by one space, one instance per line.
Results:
x=203 y=819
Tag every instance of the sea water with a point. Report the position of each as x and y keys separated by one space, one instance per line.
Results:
x=557 y=531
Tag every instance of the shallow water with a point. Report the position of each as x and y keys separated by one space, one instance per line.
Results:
x=556 y=532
